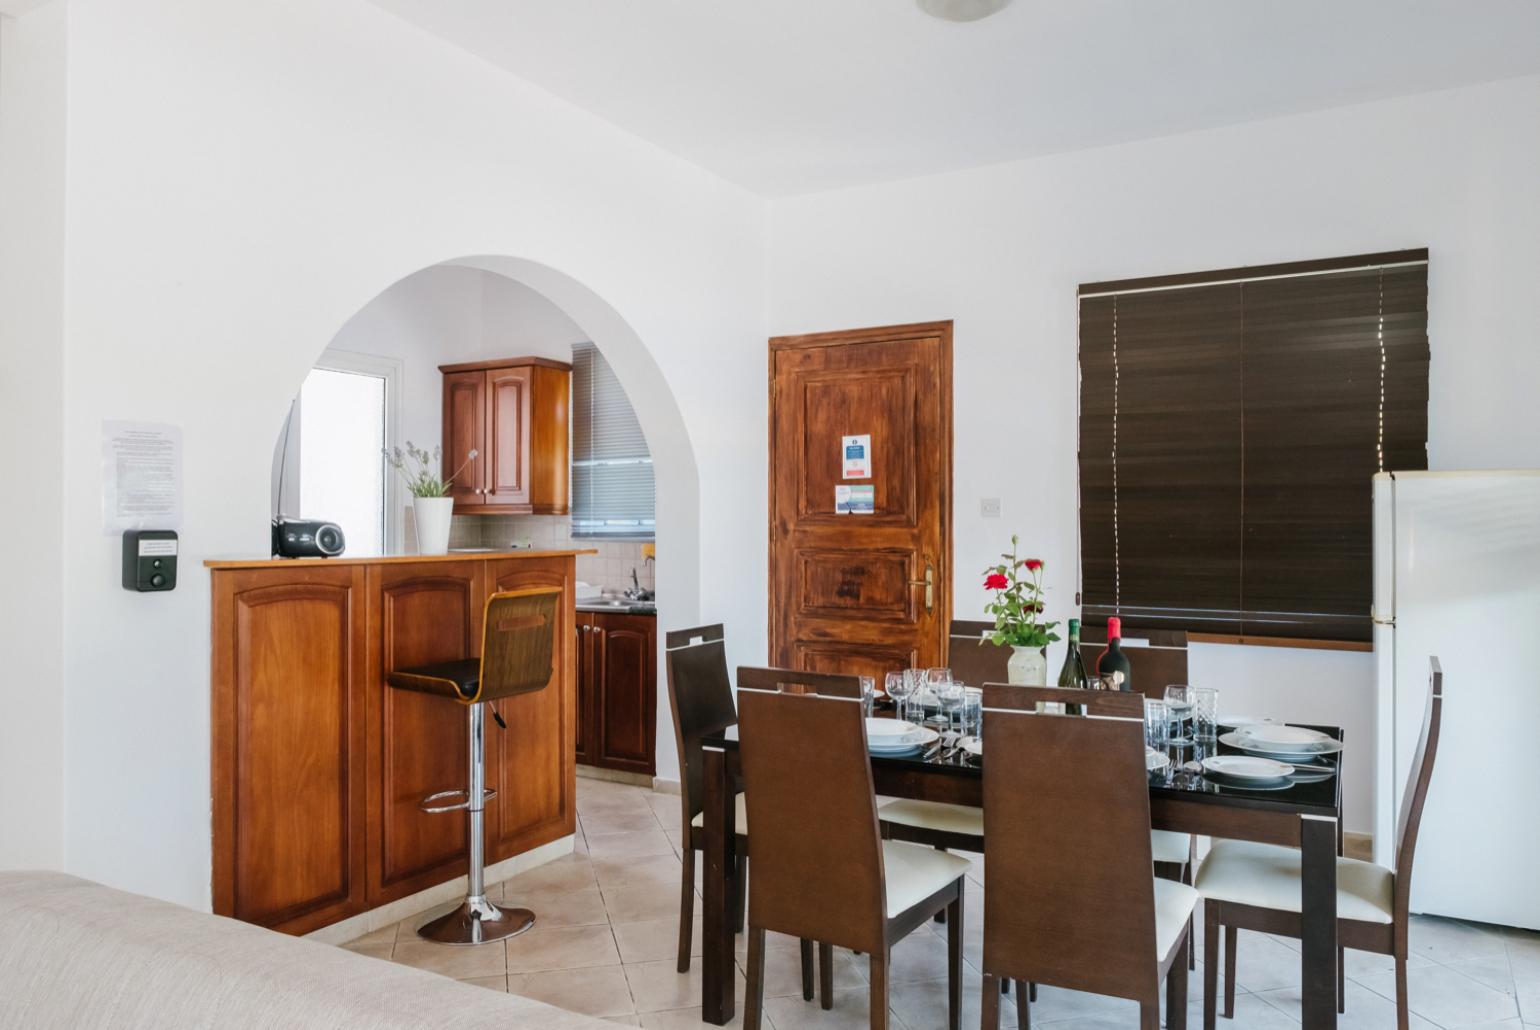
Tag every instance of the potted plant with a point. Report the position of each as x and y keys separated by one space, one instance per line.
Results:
x=1018 y=608
x=431 y=504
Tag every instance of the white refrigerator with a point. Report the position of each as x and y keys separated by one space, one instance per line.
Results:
x=1457 y=575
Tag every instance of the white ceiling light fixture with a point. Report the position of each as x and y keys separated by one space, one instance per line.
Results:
x=961 y=10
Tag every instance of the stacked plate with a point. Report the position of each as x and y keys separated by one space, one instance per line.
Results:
x=897 y=737
x=1305 y=751
x=1249 y=772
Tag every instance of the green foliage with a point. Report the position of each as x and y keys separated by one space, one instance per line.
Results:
x=1018 y=605
x=420 y=469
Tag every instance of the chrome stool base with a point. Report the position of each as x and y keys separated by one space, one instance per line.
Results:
x=477 y=921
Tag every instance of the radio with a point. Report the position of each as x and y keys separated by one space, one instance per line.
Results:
x=306 y=538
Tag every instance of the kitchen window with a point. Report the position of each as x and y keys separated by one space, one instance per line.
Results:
x=1229 y=425
x=612 y=484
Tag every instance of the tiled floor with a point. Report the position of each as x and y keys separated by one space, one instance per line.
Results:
x=608 y=919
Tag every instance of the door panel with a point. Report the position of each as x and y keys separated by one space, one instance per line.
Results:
x=583 y=696
x=422 y=613
x=508 y=408
x=628 y=691
x=464 y=427
x=846 y=591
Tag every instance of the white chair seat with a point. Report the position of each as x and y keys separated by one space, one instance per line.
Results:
x=742 y=824
x=914 y=872
x=1268 y=876
x=934 y=815
x=1170 y=846
x=1173 y=907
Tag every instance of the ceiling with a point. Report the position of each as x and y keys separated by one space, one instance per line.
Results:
x=796 y=96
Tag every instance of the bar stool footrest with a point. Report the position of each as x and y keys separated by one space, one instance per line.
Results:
x=426 y=803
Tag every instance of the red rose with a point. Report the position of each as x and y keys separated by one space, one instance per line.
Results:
x=995 y=581
x=1032 y=564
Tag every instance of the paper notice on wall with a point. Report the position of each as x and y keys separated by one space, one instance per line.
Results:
x=141 y=476
x=854 y=500
x=857 y=453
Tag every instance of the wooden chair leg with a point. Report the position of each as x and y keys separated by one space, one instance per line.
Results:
x=1210 y=963
x=954 y=961
x=807 y=970
x=989 y=1004
x=1192 y=862
x=1232 y=935
x=1023 y=1007
x=1149 y=1016
x=1176 y=989
x=879 y=981
x=754 y=1002
x=1403 y=1010
x=741 y=902
x=1032 y=990
x=1341 y=979
x=686 y=910
x=825 y=976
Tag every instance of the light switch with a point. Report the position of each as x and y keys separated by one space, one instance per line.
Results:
x=989 y=507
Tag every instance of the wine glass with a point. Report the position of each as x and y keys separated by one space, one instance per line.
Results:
x=949 y=694
x=897 y=686
x=868 y=694
x=1179 y=701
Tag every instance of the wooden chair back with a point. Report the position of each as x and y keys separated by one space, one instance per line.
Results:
x=816 y=849
x=795 y=681
x=1410 y=817
x=972 y=659
x=1012 y=697
x=517 y=640
x=700 y=696
x=1157 y=660
x=1069 y=895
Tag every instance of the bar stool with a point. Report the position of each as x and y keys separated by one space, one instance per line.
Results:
x=516 y=647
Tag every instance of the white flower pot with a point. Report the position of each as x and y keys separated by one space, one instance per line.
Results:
x=431 y=516
x=1028 y=667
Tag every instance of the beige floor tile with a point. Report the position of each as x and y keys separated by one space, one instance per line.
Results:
x=783 y=970
x=1056 y=1003
x=624 y=1020
x=558 y=908
x=689 y=1019
x=659 y=986
x=495 y=983
x=1263 y=964
x=1366 y=1010
x=593 y=991
x=1449 y=940
x=568 y=873
x=461 y=963
x=922 y=1004
x=851 y=1012
x=406 y=930
x=920 y=956
x=650 y=940
x=1447 y=997
x=619 y=820
x=630 y=844
x=668 y=808
x=384 y=935
x=635 y=902
x=569 y=947
x=382 y=951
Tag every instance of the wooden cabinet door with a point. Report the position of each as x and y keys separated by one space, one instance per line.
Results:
x=419 y=613
x=627 y=669
x=507 y=436
x=288 y=746
x=531 y=763
x=465 y=426
x=848 y=592
x=583 y=720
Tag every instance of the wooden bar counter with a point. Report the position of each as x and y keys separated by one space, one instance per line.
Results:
x=318 y=767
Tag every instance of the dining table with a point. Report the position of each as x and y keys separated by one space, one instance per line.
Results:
x=1305 y=815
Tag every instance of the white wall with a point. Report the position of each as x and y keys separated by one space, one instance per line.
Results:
x=1001 y=250
x=32 y=111
x=242 y=180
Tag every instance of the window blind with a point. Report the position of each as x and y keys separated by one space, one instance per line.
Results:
x=1230 y=424
x=612 y=483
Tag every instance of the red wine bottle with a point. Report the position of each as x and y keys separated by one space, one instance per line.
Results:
x=1112 y=659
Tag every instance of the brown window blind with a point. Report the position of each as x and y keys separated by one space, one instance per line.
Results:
x=1230 y=424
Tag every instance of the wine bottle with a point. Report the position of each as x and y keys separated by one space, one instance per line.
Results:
x=1112 y=659
x=1073 y=674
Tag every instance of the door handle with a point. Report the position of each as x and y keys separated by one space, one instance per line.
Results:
x=929 y=583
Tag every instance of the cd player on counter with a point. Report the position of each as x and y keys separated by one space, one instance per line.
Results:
x=306 y=538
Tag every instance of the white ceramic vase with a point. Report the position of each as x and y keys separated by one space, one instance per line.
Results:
x=1028 y=667
x=431 y=516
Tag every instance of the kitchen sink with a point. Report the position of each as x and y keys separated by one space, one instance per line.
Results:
x=617 y=604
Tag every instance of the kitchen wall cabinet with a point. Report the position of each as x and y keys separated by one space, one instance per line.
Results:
x=617 y=691
x=513 y=413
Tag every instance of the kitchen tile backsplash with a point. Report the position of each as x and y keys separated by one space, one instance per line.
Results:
x=610 y=569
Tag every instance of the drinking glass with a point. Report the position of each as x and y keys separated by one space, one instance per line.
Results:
x=897 y=687
x=1179 y=702
x=950 y=696
x=1157 y=724
x=1205 y=713
x=973 y=712
x=937 y=680
x=868 y=694
x=915 y=709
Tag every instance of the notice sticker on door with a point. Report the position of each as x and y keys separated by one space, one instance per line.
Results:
x=857 y=452
x=854 y=500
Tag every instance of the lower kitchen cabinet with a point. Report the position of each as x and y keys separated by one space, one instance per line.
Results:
x=617 y=691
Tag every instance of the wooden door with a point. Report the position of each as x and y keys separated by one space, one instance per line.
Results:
x=420 y=612
x=531 y=763
x=289 y=747
x=627 y=674
x=584 y=693
x=847 y=592
x=507 y=436
x=465 y=426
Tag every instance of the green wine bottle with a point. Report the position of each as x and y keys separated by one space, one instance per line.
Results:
x=1073 y=674
x=1113 y=660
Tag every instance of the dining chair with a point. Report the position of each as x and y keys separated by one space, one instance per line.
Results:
x=1248 y=886
x=973 y=659
x=1070 y=898
x=797 y=681
x=700 y=696
x=821 y=869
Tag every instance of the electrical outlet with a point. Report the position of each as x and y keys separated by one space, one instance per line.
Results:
x=989 y=507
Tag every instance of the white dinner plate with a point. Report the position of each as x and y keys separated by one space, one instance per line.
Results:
x=973 y=745
x=888 y=729
x=1246 y=767
x=1239 y=739
x=1155 y=760
x=919 y=736
x=1273 y=737
x=1236 y=722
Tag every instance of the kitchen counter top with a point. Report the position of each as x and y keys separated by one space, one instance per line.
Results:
x=636 y=608
x=388 y=559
